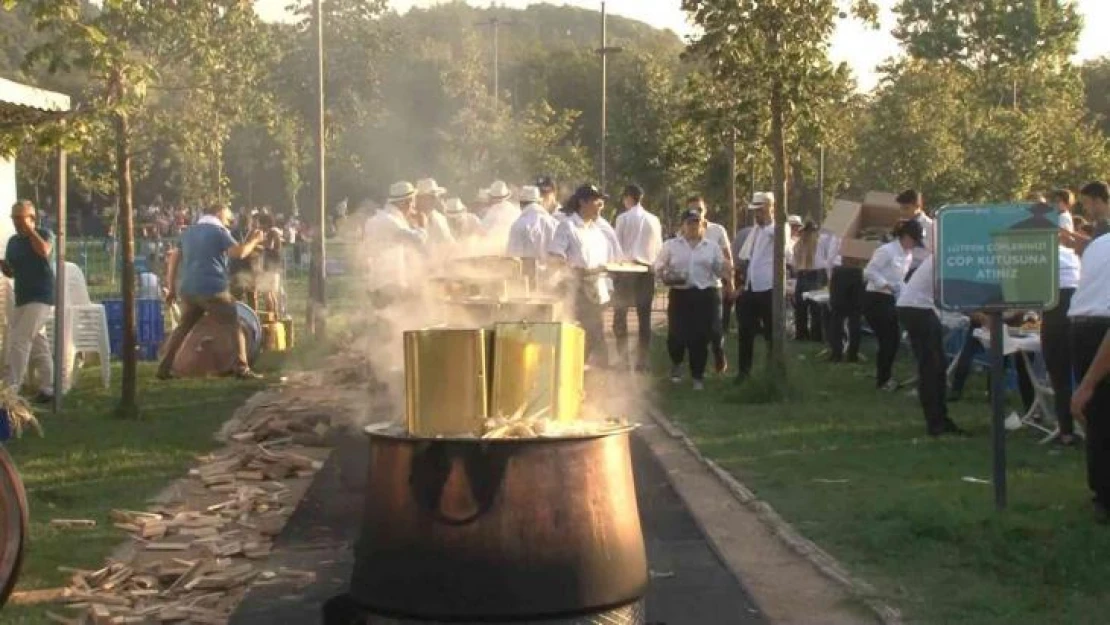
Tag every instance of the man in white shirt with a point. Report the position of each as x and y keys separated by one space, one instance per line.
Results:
x=716 y=233
x=846 y=288
x=640 y=236
x=397 y=239
x=531 y=233
x=754 y=304
x=429 y=201
x=584 y=247
x=464 y=224
x=549 y=199
x=1090 y=321
x=1062 y=200
x=919 y=316
x=912 y=204
x=500 y=216
x=1056 y=345
x=886 y=275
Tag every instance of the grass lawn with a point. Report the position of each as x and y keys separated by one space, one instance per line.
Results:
x=91 y=462
x=851 y=468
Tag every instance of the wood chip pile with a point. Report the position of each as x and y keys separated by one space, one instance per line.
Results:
x=194 y=563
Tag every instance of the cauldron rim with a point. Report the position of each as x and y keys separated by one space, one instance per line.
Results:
x=621 y=430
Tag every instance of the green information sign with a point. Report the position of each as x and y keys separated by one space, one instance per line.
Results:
x=997 y=257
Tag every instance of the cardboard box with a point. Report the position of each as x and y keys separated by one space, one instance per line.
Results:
x=848 y=219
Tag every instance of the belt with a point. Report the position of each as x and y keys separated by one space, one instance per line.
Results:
x=852 y=263
x=1091 y=320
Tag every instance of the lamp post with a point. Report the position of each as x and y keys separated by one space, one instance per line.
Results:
x=317 y=322
x=605 y=50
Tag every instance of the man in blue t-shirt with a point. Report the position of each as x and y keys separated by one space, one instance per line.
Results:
x=27 y=260
x=204 y=286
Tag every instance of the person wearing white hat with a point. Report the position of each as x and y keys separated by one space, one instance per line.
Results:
x=429 y=201
x=464 y=224
x=397 y=238
x=500 y=217
x=754 y=304
x=531 y=234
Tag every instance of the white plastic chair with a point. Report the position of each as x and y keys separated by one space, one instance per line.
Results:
x=87 y=326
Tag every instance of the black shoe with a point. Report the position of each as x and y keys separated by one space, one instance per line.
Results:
x=165 y=375
x=950 y=427
x=247 y=374
x=836 y=359
x=1100 y=512
x=741 y=378
x=955 y=396
x=42 y=398
x=1065 y=440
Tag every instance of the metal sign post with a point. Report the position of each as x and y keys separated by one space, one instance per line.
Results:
x=994 y=258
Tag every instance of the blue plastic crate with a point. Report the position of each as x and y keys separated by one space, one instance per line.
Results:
x=149 y=351
x=150 y=324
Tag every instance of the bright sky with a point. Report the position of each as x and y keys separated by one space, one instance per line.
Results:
x=862 y=47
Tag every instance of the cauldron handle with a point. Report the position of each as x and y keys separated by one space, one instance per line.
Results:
x=431 y=467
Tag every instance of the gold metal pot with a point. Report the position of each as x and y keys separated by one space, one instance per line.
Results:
x=446 y=381
x=538 y=367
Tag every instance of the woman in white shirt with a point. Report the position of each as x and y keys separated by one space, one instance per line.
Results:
x=886 y=275
x=693 y=267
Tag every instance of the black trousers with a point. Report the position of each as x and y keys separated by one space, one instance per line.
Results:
x=807 y=315
x=882 y=316
x=1056 y=347
x=726 y=314
x=588 y=313
x=634 y=291
x=846 y=288
x=927 y=342
x=693 y=320
x=753 y=312
x=1087 y=337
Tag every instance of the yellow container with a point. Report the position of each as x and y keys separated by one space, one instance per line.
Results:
x=446 y=381
x=538 y=367
x=273 y=335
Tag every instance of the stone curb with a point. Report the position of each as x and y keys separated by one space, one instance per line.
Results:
x=807 y=549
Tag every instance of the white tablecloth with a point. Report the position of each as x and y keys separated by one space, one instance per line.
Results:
x=1013 y=342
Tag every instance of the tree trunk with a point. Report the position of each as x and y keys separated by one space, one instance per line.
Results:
x=128 y=407
x=777 y=359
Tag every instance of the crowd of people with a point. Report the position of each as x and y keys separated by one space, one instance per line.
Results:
x=710 y=276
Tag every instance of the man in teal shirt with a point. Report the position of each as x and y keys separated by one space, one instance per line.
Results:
x=27 y=260
x=204 y=286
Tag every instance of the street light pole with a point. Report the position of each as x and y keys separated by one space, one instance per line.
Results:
x=495 y=23
x=604 y=51
x=317 y=321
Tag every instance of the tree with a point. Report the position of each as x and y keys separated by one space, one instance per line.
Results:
x=135 y=53
x=783 y=48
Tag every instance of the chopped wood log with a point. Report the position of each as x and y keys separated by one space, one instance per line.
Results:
x=168 y=546
x=71 y=524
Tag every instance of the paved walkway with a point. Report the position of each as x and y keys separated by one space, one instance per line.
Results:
x=690 y=583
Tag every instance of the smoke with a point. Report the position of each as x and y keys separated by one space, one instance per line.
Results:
x=462 y=285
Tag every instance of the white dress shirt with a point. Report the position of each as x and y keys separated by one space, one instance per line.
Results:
x=439 y=231
x=1067 y=222
x=716 y=233
x=1070 y=268
x=702 y=263
x=1092 y=297
x=886 y=273
x=759 y=252
x=918 y=292
x=640 y=235
x=498 y=220
x=586 y=246
x=532 y=232
x=827 y=248
x=928 y=235
x=395 y=250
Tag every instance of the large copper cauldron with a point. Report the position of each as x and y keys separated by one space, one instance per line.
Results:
x=464 y=529
x=13 y=524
